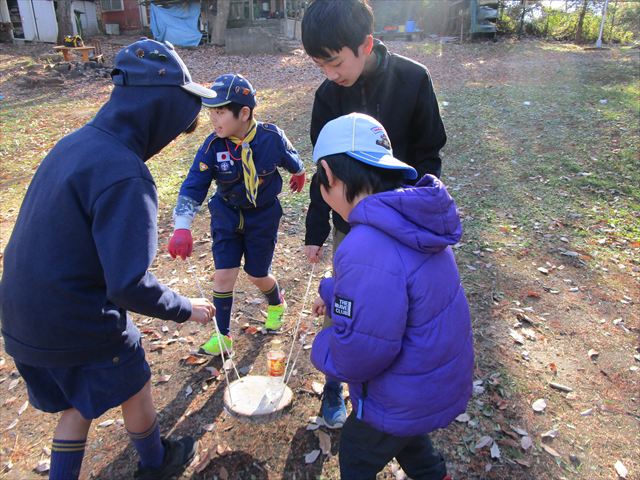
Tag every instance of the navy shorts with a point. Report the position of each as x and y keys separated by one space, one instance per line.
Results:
x=91 y=389
x=251 y=233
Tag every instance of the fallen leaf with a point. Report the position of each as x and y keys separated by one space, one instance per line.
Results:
x=205 y=459
x=23 y=407
x=526 y=443
x=106 y=423
x=14 y=383
x=311 y=456
x=163 y=379
x=586 y=412
x=9 y=401
x=209 y=427
x=550 y=451
x=213 y=371
x=325 y=442
x=165 y=329
x=519 y=430
x=593 y=353
x=551 y=434
x=223 y=449
x=483 y=442
x=43 y=466
x=621 y=470
x=188 y=391
x=251 y=330
x=495 y=450
x=517 y=337
x=524 y=463
x=317 y=387
x=12 y=425
x=539 y=405
x=463 y=418
x=543 y=270
x=195 y=360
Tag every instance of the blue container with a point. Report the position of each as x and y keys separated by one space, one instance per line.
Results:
x=410 y=26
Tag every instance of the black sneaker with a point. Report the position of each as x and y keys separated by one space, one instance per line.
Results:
x=177 y=455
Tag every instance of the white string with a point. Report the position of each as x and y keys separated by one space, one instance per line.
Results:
x=303 y=335
x=220 y=344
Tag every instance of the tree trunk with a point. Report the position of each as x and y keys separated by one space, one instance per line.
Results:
x=99 y=16
x=613 y=21
x=63 y=17
x=524 y=9
x=583 y=12
x=220 y=22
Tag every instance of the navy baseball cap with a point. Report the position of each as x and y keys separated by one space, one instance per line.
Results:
x=231 y=88
x=147 y=63
x=361 y=137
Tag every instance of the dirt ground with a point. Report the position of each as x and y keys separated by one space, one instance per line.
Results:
x=542 y=159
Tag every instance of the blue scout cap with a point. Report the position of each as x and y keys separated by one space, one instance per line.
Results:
x=147 y=63
x=231 y=88
x=361 y=137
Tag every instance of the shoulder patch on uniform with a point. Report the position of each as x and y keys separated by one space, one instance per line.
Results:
x=270 y=127
x=343 y=307
x=203 y=166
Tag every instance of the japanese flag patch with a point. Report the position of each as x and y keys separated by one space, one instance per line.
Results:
x=343 y=307
x=203 y=166
x=223 y=157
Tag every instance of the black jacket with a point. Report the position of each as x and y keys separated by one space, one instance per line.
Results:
x=399 y=95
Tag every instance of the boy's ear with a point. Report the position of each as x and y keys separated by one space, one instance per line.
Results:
x=368 y=44
x=327 y=170
x=245 y=113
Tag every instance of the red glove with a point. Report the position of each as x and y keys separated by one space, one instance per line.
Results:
x=181 y=243
x=297 y=182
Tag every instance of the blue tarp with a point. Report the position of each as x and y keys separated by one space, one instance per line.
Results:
x=177 y=24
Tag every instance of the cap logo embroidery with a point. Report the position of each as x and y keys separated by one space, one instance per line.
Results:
x=383 y=141
x=140 y=53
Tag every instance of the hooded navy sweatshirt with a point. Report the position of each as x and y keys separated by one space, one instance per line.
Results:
x=86 y=235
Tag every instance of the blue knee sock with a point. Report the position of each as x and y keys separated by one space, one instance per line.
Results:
x=149 y=446
x=223 y=301
x=66 y=459
x=273 y=295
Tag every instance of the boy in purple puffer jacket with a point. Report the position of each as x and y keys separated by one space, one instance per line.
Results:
x=401 y=334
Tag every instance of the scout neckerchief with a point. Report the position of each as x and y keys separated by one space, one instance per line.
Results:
x=248 y=166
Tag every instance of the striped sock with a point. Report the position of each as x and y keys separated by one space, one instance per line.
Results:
x=273 y=295
x=223 y=301
x=66 y=459
x=149 y=446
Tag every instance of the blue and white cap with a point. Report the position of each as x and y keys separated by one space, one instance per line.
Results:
x=361 y=137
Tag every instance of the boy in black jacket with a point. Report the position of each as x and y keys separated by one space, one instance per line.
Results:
x=362 y=76
x=78 y=259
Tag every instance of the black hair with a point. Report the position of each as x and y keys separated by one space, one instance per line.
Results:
x=359 y=177
x=330 y=25
x=236 y=108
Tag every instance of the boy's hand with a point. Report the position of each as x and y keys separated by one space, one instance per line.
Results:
x=202 y=310
x=181 y=243
x=297 y=182
x=319 y=308
x=313 y=253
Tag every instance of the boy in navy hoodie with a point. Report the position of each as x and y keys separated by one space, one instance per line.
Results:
x=78 y=259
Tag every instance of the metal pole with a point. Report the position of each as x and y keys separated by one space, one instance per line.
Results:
x=604 y=18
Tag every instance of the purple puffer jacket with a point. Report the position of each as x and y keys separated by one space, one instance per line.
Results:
x=401 y=334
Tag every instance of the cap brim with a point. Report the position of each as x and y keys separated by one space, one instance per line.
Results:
x=381 y=160
x=199 y=90
x=212 y=102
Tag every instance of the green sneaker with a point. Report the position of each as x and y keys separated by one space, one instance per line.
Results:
x=274 y=316
x=212 y=347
